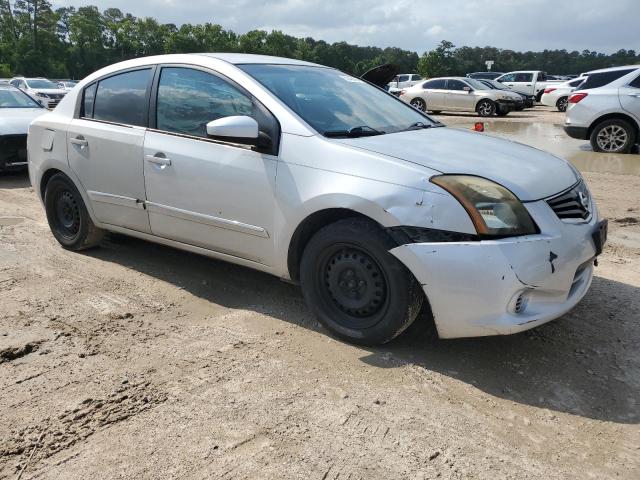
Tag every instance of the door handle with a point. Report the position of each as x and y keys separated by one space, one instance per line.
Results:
x=158 y=160
x=81 y=142
x=637 y=95
x=528 y=85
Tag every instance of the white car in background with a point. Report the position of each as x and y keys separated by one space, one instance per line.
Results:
x=558 y=95
x=405 y=80
x=461 y=94
x=606 y=110
x=529 y=82
x=45 y=91
x=319 y=177
x=17 y=111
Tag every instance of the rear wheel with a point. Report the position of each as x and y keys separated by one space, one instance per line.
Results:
x=419 y=104
x=562 y=104
x=67 y=215
x=486 y=108
x=613 y=136
x=356 y=288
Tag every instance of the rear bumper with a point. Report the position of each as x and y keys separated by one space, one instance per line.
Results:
x=581 y=133
x=505 y=286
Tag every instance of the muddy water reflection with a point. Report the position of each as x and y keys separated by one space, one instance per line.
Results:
x=551 y=137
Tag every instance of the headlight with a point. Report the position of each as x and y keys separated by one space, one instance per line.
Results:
x=494 y=210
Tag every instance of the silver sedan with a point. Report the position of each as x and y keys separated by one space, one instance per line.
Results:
x=461 y=95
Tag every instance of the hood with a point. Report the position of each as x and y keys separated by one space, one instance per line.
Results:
x=529 y=173
x=381 y=75
x=15 y=121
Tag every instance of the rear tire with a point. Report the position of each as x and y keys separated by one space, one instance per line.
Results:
x=418 y=104
x=357 y=289
x=613 y=136
x=486 y=108
x=68 y=217
x=562 y=104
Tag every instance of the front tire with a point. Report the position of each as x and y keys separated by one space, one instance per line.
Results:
x=486 y=108
x=357 y=289
x=67 y=215
x=418 y=104
x=613 y=136
x=562 y=104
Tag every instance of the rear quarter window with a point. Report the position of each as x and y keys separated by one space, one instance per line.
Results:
x=601 y=79
x=635 y=83
x=122 y=98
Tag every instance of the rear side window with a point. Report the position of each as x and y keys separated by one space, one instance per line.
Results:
x=595 y=80
x=416 y=77
x=87 y=102
x=635 y=83
x=575 y=83
x=524 y=77
x=123 y=98
x=404 y=78
x=189 y=99
x=434 y=84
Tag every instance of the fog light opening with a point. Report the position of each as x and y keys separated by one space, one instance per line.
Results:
x=519 y=302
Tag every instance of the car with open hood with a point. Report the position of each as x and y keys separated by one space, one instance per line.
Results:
x=322 y=179
x=17 y=111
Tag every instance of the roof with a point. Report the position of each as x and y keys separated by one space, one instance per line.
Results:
x=612 y=69
x=244 y=58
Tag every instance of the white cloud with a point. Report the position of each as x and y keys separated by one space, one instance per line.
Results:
x=411 y=24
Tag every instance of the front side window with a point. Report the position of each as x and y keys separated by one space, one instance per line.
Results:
x=404 y=78
x=477 y=84
x=416 y=77
x=456 y=85
x=524 y=77
x=511 y=77
x=189 y=99
x=122 y=98
x=331 y=101
x=10 y=98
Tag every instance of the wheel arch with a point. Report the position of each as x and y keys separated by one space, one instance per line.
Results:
x=50 y=172
x=308 y=227
x=618 y=116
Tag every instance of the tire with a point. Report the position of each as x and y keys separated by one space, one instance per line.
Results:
x=486 y=108
x=68 y=217
x=562 y=104
x=418 y=104
x=613 y=136
x=356 y=288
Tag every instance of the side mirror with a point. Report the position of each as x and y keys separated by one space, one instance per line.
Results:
x=238 y=127
x=467 y=89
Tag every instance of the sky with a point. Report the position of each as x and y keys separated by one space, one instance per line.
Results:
x=417 y=25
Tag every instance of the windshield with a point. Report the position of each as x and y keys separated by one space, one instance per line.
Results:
x=41 y=83
x=477 y=84
x=331 y=101
x=10 y=98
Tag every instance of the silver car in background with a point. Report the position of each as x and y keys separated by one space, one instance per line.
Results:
x=458 y=94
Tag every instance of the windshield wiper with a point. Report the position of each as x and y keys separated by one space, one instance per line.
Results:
x=354 y=132
x=422 y=125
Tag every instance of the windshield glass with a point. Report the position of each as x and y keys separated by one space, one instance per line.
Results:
x=477 y=84
x=332 y=101
x=10 y=98
x=41 y=83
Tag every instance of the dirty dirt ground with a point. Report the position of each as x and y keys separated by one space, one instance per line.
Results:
x=139 y=361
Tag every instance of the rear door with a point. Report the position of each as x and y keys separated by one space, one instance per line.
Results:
x=434 y=93
x=523 y=82
x=630 y=98
x=105 y=143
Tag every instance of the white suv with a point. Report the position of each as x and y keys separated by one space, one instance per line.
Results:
x=606 y=110
x=45 y=91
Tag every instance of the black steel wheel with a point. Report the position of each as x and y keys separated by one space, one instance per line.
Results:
x=67 y=215
x=356 y=288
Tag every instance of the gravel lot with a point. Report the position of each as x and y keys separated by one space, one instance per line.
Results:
x=140 y=361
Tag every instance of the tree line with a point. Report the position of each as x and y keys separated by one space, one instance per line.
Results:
x=37 y=39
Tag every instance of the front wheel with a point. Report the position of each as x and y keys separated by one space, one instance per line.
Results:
x=419 y=104
x=562 y=104
x=356 y=288
x=486 y=108
x=613 y=136
x=67 y=215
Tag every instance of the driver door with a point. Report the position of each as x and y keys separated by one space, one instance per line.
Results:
x=458 y=98
x=203 y=192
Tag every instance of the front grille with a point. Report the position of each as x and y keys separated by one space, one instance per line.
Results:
x=13 y=149
x=572 y=204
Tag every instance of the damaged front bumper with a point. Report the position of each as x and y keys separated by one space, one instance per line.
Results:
x=499 y=287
